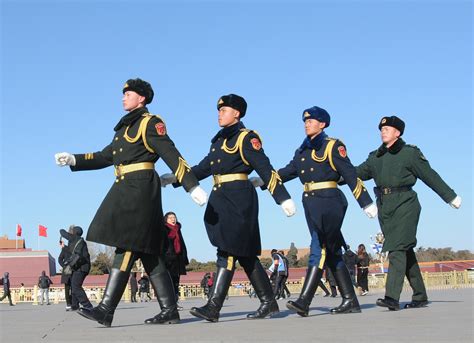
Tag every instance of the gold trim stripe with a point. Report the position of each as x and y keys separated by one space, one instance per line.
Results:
x=141 y=133
x=230 y=263
x=182 y=169
x=274 y=180
x=126 y=261
x=327 y=153
x=239 y=145
x=323 y=258
x=89 y=156
x=358 y=188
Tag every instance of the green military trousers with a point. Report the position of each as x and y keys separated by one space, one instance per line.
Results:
x=403 y=263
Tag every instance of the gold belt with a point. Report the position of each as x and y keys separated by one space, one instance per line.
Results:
x=129 y=168
x=218 y=179
x=314 y=186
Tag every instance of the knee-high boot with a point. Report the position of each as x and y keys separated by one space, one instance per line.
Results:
x=301 y=305
x=349 y=304
x=104 y=312
x=263 y=288
x=210 y=311
x=164 y=289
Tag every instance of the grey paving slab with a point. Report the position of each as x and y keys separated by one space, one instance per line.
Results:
x=449 y=318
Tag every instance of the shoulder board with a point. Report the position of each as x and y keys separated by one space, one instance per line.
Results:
x=150 y=116
x=412 y=146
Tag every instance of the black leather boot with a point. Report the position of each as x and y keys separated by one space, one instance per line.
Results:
x=104 y=312
x=301 y=305
x=416 y=304
x=263 y=288
x=164 y=290
x=349 y=304
x=210 y=311
x=391 y=304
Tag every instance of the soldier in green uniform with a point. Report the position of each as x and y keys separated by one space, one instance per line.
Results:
x=130 y=217
x=395 y=166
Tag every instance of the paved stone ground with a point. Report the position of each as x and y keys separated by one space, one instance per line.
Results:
x=449 y=318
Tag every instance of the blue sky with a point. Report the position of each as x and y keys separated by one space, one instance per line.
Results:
x=64 y=64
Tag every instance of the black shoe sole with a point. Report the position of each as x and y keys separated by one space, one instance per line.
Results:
x=298 y=311
x=200 y=315
x=269 y=315
x=102 y=322
x=352 y=310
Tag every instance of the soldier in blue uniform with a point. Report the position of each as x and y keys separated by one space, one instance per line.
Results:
x=319 y=163
x=231 y=216
x=130 y=217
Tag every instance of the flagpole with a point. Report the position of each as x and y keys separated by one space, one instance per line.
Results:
x=38 y=239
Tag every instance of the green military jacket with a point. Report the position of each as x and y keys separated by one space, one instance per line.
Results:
x=400 y=166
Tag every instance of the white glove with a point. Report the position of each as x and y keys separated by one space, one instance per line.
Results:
x=198 y=195
x=371 y=210
x=456 y=203
x=65 y=159
x=167 y=179
x=288 y=207
x=256 y=181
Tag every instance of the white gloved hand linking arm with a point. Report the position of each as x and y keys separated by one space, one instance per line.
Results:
x=371 y=210
x=456 y=202
x=167 y=179
x=65 y=159
x=288 y=207
x=198 y=195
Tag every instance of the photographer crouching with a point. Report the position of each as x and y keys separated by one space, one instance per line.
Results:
x=77 y=266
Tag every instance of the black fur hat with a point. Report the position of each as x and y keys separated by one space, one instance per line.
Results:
x=140 y=87
x=234 y=101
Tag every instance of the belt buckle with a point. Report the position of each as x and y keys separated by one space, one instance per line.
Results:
x=118 y=171
x=216 y=179
x=307 y=187
x=386 y=191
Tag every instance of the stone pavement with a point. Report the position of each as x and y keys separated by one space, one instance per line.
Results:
x=449 y=318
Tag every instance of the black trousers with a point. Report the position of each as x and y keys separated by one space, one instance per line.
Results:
x=7 y=294
x=362 y=278
x=175 y=279
x=78 y=294
x=68 y=293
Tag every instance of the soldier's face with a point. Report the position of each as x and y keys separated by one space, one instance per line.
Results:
x=313 y=127
x=227 y=116
x=132 y=100
x=389 y=134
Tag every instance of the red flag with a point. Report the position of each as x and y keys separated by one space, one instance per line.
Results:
x=43 y=231
x=18 y=230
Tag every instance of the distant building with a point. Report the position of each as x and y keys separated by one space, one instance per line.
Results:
x=24 y=265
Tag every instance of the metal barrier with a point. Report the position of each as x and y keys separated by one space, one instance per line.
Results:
x=445 y=280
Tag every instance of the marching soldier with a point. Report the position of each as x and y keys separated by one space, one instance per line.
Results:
x=130 y=217
x=231 y=217
x=395 y=166
x=319 y=163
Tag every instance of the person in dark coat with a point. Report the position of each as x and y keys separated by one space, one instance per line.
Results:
x=319 y=163
x=350 y=260
x=63 y=259
x=395 y=167
x=363 y=269
x=130 y=217
x=44 y=282
x=6 y=288
x=80 y=262
x=133 y=287
x=144 y=288
x=231 y=217
x=176 y=255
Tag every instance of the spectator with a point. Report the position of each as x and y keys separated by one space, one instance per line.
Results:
x=144 y=288
x=363 y=269
x=133 y=287
x=176 y=255
x=350 y=260
x=6 y=288
x=204 y=284
x=285 y=292
x=63 y=260
x=22 y=292
x=80 y=263
x=43 y=283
